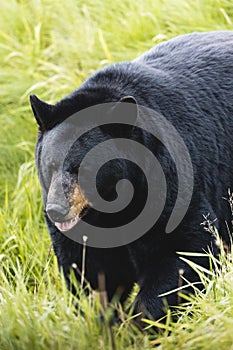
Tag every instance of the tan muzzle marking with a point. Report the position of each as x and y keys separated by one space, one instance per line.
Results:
x=78 y=202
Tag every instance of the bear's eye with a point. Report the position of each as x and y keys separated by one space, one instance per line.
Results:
x=53 y=166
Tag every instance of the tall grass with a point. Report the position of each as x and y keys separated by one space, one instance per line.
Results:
x=48 y=48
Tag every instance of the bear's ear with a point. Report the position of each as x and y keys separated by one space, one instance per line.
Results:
x=128 y=99
x=130 y=111
x=42 y=111
x=125 y=109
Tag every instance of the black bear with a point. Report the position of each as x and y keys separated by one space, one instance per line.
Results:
x=188 y=81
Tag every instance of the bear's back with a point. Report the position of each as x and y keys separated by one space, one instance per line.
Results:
x=191 y=50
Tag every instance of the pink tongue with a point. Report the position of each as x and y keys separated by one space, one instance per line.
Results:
x=66 y=225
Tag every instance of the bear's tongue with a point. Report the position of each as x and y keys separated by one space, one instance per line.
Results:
x=66 y=225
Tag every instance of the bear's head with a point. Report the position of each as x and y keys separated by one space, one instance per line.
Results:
x=63 y=142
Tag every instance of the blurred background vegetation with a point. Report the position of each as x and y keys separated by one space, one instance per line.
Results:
x=48 y=48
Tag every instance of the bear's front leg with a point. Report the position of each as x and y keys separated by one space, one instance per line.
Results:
x=164 y=277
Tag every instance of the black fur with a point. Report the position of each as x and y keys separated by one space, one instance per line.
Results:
x=190 y=81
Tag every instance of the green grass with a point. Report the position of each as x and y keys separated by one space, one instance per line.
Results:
x=49 y=47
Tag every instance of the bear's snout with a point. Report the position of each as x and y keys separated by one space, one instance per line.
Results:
x=56 y=212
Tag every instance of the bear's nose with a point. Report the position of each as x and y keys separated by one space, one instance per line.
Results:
x=56 y=212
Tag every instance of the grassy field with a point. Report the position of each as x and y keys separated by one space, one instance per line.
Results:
x=49 y=47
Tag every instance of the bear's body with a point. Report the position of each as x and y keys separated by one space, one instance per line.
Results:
x=189 y=80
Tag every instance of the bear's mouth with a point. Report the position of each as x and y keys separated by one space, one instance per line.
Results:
x=67 y=225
